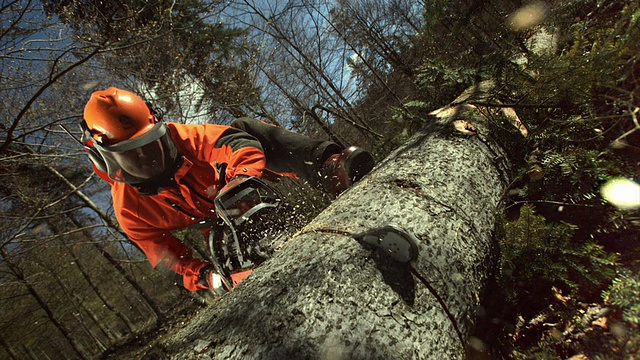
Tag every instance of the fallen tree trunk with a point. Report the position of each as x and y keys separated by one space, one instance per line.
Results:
x=326 y=296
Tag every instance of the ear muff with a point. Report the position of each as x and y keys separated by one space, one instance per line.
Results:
x=94 y=155
x=96 y=159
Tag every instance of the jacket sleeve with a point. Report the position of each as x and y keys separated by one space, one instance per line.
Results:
x=238 y=152
x=168 y=251
x=160 y=246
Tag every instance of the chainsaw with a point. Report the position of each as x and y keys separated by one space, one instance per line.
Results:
x=248 y=213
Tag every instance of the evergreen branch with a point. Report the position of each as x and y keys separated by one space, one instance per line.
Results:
x=547 y=202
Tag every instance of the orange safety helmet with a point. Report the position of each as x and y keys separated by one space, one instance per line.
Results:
x=115 y=115
x=124 y=138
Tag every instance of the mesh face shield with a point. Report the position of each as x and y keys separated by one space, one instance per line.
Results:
x=139 y=159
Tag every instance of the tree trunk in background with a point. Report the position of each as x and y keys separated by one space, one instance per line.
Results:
x=85 y=274
x=112 y=223
x=148 y=299
x=324 y=295
x=73 y=306
x=66 y=333
x=8 y=349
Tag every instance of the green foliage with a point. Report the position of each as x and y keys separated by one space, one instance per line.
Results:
x=165 y=45
x=577 y=97
x=439 y=84
x=582 y=86
x=455 y=56
x=576 y=174
x=436 y=75
x=442 y=82
x=537 y=255
x=624 y=293
x=579 y=107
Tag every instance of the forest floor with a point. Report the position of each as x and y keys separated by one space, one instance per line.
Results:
x=147 y=345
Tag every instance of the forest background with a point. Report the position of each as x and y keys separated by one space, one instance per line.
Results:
x=356 y=72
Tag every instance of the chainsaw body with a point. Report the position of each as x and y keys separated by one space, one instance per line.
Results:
x=246 y=213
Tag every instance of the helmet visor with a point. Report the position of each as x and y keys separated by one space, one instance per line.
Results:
x=139 y=159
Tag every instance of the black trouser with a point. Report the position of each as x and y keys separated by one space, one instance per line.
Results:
x=289 y=152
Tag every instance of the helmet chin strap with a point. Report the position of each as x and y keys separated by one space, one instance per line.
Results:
x=154 y=185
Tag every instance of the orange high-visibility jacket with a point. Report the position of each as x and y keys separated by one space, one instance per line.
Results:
x=213 y=155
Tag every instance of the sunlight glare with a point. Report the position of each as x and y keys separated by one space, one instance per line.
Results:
x=622 y=193
x=527 y=16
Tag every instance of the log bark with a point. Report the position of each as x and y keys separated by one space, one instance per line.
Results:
x=325 y=296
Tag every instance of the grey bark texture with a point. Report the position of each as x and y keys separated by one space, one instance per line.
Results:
x=326 y=296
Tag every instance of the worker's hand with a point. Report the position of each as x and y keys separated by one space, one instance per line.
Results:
x=217 y=283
